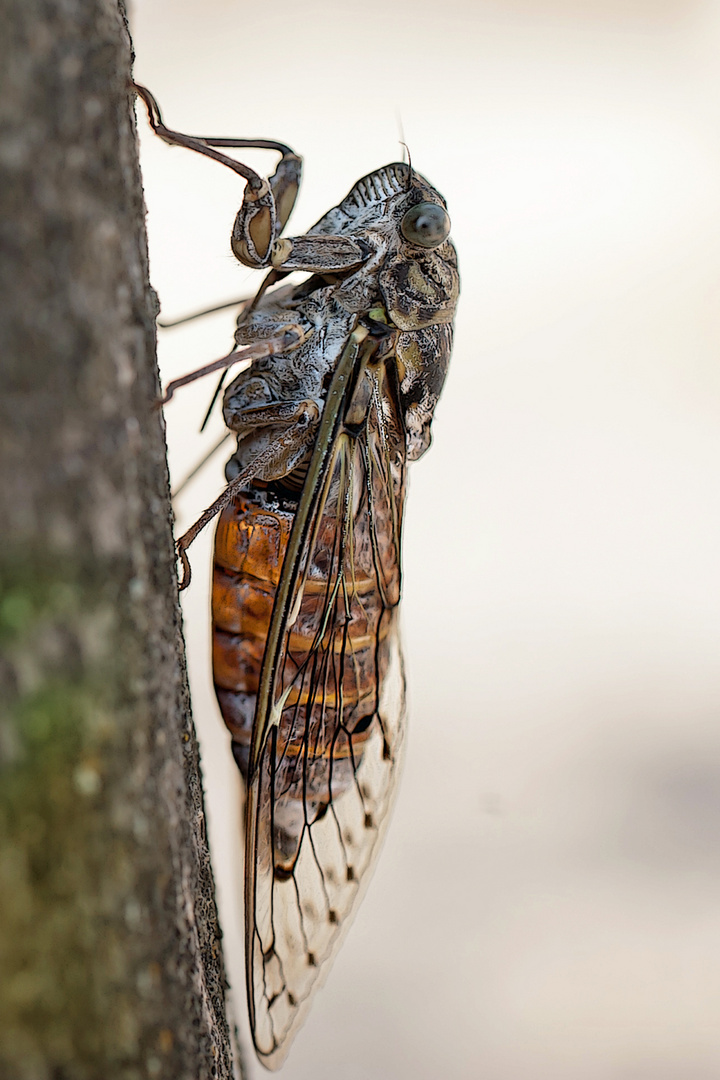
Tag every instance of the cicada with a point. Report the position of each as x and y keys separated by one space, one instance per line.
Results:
x=346 y=369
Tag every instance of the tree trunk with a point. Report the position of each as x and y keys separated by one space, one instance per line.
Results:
x=110 y=959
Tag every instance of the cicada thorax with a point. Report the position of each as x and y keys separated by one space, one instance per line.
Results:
x=339 y=629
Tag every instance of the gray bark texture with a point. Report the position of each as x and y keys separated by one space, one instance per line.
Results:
x=110 y=958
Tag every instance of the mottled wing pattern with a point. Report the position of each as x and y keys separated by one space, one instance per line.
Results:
x=331 y=744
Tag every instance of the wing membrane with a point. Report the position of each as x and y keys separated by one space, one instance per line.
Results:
x=329 y=727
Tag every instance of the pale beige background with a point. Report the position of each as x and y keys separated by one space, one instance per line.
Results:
x=548 y=903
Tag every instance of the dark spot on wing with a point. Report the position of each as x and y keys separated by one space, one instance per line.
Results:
x=363 y=724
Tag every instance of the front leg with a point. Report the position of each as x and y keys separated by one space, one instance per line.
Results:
x=267 y=203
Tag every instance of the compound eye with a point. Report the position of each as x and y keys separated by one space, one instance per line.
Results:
x=426 y=224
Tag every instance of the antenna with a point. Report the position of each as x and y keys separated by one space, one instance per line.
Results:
x=406 y=148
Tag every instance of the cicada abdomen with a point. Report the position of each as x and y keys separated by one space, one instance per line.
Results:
x=250 y=545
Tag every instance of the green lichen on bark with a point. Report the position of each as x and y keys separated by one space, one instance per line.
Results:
x=68 y=890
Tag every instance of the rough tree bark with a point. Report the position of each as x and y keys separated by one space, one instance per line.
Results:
x=110 y=960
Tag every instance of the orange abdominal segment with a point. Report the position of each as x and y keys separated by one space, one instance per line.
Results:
x=250 y=547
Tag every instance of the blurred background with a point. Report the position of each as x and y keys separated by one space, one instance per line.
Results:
x=547 y=906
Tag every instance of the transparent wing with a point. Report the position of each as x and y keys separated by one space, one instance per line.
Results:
x=328 y=738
